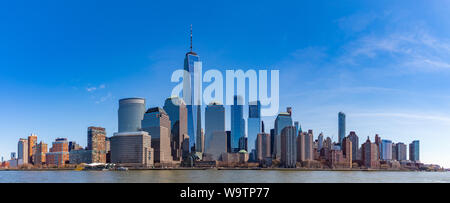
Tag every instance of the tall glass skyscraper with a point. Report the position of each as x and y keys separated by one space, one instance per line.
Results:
x=194 y=104
x=176 y=109
x=131 y=113
x=386 y=150
x=414 y=151
x=215 y=134
x=283 y=120
x=341 y=125
x=237 y=123
x=254 y=123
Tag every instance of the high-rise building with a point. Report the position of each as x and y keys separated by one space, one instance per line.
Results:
x=320 y=141
x=288 y=147
x=157 y=123
x=215 y=137
x=283 y=120
x=177 y=111
x=394 y=151
x=237 y=123
x=74 y=146
x=386 y=150
x=132 y=149
x=96 y=137
x=263 y=146
x=414 y=151
x=32 y=141
x=401 y=151
x=22 y=150
x=228 y=141
x=41 y=150
x=355 y=144
x=301 y=146
x=59 y=153
x=341 y=125
x=254 y=124
x=192 y=93
x=347 y=151
x=131 y=112
x=272 y=141
x=370 y=154
x=309 y=139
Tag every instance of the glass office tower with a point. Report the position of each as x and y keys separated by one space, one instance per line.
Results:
x=254 y=124
x=131 y=113
x=341 y=125
x=283 y=120
x=237 y=123
x=193 y=103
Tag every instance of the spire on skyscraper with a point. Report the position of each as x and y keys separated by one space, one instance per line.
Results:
x=191 y=37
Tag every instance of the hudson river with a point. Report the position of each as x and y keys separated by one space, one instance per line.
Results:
x=221 y=176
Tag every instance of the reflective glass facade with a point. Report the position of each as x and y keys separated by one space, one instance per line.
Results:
x=131 y=113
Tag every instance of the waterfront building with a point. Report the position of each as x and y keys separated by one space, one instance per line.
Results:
x=216 y=137
x=254 y=124
x=370 y=154
x=355 y=144
x=131 y=112
x=96 y=138
x=22 y=150
x=309 y=140
x=414 y=151
x=262 y=146
x=288 y=147
x=301 y=147
x=394 y=152
x=58 y=154
x=175 y=107
x=283 y=120
x=237 y=123
x=341 y=126
x=401 y=151
x=157 y=123
x=32 y=141
x=378 y=143
x=132 y=149
x=347 y=151
x=41 y=151
x=216 y=145
x=272 y=141
x=386 y=150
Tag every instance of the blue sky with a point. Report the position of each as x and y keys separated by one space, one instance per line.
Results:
x=64 y=65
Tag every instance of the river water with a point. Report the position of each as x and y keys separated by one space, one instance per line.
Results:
x=221 y=176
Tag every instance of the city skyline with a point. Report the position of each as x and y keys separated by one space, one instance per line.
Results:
x=45 y=90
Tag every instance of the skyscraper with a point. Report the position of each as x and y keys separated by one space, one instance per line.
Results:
x=59 y=153
x=355 y=144
x=215 y=136
x=283 y=120
x=320 y=141
x=341 y=125
x=22 y=150
x=288 y=147
x=32 y=141
x=41 y=150
x=96 y=137
x=192 y=94
x=309 y=139
x=262 y=146
x=157 y=123
x=237 y=123
x=370 y=154
x=177 y=111
x=132 y=149
x=254 y=124
x=131 y=112
x=401 y=151
x=414 y=151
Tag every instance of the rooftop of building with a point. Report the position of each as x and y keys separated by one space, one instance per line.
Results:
x=156 y=109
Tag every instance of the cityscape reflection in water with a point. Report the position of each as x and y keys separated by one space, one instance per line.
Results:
x=222 y=176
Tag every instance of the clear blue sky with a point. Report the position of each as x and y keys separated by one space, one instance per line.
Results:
x=64 y=65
